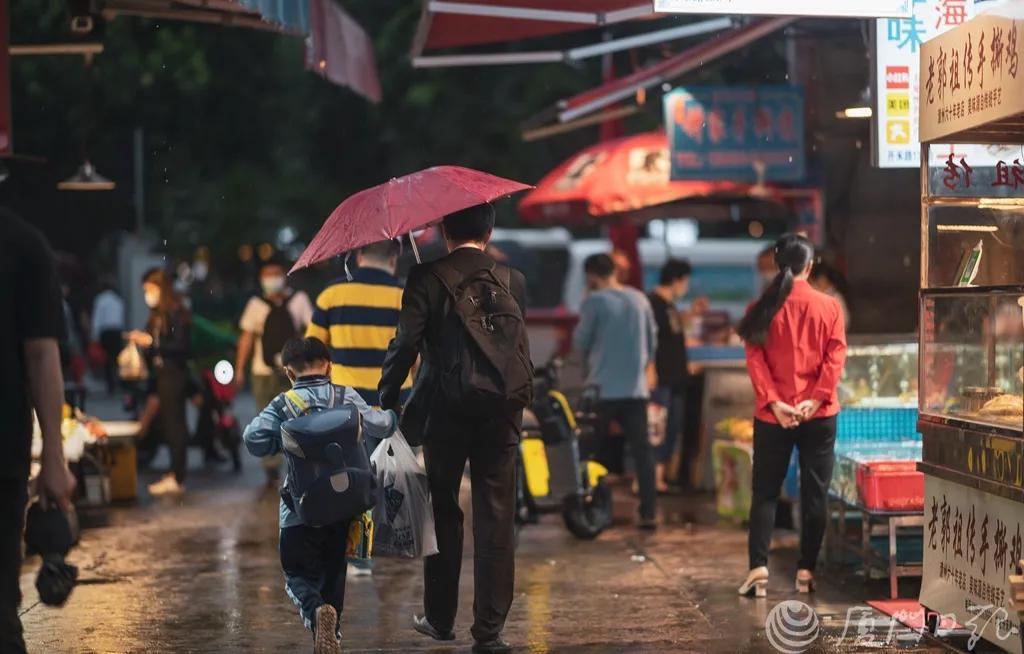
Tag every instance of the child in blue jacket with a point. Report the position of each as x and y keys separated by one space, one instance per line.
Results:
x=313 y=558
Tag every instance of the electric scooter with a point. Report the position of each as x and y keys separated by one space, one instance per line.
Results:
x=554 y=473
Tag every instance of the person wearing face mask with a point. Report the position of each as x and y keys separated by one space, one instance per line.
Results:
x=267 y=322
x=795 y=346
x=167 y=341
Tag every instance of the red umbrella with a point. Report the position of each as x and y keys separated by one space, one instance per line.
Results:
x=626 y=175
x=401 y=206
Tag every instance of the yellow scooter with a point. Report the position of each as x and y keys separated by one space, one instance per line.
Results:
x=553 y=474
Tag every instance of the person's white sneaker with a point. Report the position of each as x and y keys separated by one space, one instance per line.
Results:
x=356 y=571
x=168 y=485
x=756 y=583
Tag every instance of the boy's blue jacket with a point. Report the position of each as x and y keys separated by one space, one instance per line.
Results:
x=263 y=435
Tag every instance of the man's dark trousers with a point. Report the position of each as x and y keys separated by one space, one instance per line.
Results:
x=490 y=447
x=13 y=496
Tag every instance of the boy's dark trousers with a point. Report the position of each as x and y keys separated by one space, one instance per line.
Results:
x=313 y=560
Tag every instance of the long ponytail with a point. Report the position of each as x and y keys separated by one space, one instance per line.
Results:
x=792 y=254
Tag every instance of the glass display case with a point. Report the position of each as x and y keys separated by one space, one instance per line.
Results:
x=880 y=372
x=972 y=354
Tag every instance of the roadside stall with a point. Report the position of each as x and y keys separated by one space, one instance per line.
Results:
x=972 y=322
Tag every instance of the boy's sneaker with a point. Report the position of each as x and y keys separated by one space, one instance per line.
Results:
x=325 y=631
x=167 y=486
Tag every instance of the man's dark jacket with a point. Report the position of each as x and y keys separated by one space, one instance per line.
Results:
x=422 y=318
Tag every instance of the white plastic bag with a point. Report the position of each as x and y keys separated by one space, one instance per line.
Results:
x=404 y=517
x=131 y=365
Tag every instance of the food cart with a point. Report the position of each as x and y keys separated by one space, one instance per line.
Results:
x=972 y=323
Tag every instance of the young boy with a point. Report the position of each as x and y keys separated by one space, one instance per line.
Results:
x=313 y=558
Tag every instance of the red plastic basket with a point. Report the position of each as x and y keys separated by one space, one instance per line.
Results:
x=891 y=486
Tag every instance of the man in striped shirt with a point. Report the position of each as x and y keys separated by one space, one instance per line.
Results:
x=357 y=319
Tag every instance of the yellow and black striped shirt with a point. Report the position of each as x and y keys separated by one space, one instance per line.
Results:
x=357 y=320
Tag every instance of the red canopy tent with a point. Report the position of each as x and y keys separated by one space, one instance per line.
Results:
x=627 y=177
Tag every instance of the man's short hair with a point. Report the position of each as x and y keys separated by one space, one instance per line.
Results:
x=301 y=353
x=600 y=265
x=472 y=224
x=274 y=262
x=674 y=270
x=380 y=250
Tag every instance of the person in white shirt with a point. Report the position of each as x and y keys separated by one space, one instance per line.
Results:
x=263 y=337
x=107 y=329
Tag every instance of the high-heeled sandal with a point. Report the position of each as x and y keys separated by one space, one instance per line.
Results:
x=804 y=581
x=756 y=584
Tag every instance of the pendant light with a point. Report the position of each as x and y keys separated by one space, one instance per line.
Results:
x=86 y=179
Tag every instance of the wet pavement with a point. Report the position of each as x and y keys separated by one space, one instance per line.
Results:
x=201 y=575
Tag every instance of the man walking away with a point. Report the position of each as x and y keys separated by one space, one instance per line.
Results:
x=356 y=320
x=671 y=364
x=30 y=328
x=268 y=321
x=107 y=329
x=441 y=301
x=617 y=335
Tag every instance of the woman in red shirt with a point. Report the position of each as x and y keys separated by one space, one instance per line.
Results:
x=796 y=346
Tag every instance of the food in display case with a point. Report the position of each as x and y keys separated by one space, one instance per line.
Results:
x=882 y=373
x=972 y=352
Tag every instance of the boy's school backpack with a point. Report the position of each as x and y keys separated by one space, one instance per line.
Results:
x=485 y=366
x=329 y=477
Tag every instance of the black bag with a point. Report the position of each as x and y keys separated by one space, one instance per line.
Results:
x=278 y=328
x=484 y=356
x=329 y=475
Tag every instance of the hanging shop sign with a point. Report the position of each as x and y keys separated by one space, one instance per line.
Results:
x=835 y=8
x=740 y=134
x=972 y=540
x=971 y=78
x=898 y=43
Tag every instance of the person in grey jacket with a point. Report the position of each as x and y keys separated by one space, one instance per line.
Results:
x=617 y=334
x=313 y=558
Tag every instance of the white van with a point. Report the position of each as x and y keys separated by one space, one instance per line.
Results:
x=724 y=270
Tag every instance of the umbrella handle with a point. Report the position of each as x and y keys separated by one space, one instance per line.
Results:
x=415 y=248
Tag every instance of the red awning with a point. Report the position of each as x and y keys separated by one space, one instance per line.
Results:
x=626 y=175
x=669 y=69
x=458 y=23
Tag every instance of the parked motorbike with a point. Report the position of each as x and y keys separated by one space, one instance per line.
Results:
x=555 y=473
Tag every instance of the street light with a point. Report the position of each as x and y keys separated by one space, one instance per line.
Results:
x=86 y=179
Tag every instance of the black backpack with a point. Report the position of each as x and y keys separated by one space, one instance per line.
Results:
x=484 y=354
x=278 y=328
x=329 y=474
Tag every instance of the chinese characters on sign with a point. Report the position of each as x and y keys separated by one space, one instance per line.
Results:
x=951 y=101
x=972 y=541
x=971 y=76
x=897 y=51
x=735 y=133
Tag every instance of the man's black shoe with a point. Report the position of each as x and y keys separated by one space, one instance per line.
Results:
x=492 y=646
x=422 y=625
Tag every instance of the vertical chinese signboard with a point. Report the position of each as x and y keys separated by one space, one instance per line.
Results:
x=736 y=134
x=898 y=44
x=972 y=540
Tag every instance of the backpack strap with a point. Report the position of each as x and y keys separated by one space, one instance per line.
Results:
x=294 y=403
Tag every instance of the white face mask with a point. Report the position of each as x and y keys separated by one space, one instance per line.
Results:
x=272 y=285
x=152 y=299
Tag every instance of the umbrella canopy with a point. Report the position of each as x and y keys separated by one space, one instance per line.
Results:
x=629 y=174
x=401 y=206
